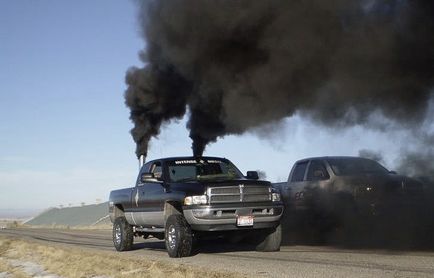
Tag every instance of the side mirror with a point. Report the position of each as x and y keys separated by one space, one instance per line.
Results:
x=149 y=177
x=252 y=175
x=146 y=177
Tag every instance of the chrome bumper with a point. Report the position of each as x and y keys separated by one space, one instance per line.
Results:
x=212 y=218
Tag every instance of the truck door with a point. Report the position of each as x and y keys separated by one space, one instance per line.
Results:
x=149 y=199
x=294 y=191
x=135 y=209
x=317 y=184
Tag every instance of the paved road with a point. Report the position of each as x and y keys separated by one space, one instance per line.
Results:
x=291 y=261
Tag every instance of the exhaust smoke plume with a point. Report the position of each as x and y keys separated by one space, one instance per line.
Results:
x=377 y=156
x=237 y=65
x=418 y=164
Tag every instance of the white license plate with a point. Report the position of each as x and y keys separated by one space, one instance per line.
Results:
x=245 y=220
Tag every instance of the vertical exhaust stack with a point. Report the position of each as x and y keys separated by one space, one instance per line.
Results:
x=141 y=161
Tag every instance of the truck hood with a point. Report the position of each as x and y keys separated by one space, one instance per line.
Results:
x=235 y=182
x=384 y=185
x=200 y=187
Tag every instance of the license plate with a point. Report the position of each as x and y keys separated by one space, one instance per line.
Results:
x=245 y=220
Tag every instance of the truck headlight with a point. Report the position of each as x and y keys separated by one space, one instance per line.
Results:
x=195 y=200
x=363 y=190
x=275 y=197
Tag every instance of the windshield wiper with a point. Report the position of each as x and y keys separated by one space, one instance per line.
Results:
x=186 y=179
x=216 y=177
x=372 y=172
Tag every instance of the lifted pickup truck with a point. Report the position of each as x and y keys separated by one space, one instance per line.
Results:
x=184 y=198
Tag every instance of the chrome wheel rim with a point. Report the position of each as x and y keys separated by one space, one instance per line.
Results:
x=171 y=237
x=118 y=235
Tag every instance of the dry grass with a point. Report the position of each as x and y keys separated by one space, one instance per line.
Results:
x=10 y=223
x=66 y=227
x=6 y=267
x=74 y=262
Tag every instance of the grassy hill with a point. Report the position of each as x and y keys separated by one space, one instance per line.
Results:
x=72 y=216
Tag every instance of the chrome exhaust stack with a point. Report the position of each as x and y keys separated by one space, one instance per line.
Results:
x=141 y=161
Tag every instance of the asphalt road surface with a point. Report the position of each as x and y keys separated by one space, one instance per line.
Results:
x=291 y=261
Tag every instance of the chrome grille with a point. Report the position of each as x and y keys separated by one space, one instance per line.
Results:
x=233 y=190
x=240 y=193
x=256 y=198
x=256 y=190
x=224 y=198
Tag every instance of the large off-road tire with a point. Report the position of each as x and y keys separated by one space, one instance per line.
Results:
x=178 y=237
x=270 y=241
x=122 y=234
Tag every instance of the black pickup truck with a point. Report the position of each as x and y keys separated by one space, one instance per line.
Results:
x=182 y=199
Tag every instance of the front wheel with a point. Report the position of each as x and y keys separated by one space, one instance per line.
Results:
x=178 y=237
x=270 y=240
x=122 y=234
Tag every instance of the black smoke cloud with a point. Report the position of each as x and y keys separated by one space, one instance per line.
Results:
x=418 y=164
x=377 y=156
x=237 y=65
x=419 y=161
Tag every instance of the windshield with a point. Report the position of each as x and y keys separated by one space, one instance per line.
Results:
x=355 y=166
x=202 y=169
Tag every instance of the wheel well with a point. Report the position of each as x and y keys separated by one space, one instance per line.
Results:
x=118 y=211
x=171 y=208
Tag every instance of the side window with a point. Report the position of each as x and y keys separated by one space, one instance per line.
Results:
x=157 y=169
x=146 y=167
x=317 y=171
x=298 y=174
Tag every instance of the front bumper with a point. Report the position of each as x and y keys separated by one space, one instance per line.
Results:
x=224 y=218
x=391 y=207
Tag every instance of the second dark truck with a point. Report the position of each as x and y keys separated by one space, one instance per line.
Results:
x=327 y=193
x=182 y=199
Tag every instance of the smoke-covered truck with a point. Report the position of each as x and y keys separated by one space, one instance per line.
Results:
x=182 y=199
x=325 y=193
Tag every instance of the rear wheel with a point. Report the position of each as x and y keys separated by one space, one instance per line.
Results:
x=178 y=237
x=270 y=241
x=122 y=234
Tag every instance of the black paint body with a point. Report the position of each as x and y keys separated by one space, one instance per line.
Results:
x=145 y=204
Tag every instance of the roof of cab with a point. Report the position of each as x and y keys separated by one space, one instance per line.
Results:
x=186 y=158
x=331 y=157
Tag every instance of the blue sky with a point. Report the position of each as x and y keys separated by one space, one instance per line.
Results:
x=64 y=128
